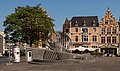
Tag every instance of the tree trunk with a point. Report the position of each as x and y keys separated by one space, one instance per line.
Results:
x=31 y=41
x=30 y=44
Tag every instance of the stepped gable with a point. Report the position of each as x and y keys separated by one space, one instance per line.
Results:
x=108 y=16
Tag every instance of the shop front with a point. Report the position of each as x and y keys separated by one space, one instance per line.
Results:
x=109 y=50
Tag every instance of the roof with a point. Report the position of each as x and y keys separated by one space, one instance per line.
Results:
x=85 y=21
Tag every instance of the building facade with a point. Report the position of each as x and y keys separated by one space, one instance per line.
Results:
x=83 y=31
x=2 y=43
x=87 y=32
x=66 y=39
x=109 y=34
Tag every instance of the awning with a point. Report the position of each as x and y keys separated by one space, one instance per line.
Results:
x=108 y=46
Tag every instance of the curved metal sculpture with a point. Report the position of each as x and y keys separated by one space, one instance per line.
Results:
x=57 y=46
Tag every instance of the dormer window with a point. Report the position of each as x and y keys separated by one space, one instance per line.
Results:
x=84 y=23
x=94 y=23
x=76 y=24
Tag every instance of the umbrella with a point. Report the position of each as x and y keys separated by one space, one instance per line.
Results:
x=80 y=48
x=91 y=49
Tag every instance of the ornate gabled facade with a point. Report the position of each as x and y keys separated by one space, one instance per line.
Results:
x=109 y=34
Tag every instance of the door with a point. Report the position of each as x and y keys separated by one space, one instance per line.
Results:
x=29 y=56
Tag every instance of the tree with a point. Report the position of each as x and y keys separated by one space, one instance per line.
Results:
x=28 y=24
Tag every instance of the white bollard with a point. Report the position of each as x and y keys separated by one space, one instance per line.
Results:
x=29 y=56
x=17 y=54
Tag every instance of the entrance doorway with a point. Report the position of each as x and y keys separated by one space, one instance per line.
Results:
x=108 y=51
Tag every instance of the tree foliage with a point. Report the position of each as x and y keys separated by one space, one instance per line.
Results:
x=28 y=24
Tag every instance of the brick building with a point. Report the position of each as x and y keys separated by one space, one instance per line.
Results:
x=83 y=31
x=87 y=32
x=109 y=34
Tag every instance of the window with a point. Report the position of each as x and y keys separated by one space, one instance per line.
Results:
x=114 y=39
x=108 y=39
x=94 y=38
x=76 y=29
x=106 y=21
x=85 y=46
x=76 y=24
x=94 y=29
x=102 y=39
x=94 y=46
x=110 y=21
x=76 y=46
x=114 y=30
x=76 y=38
x=103 y=30
x=108 y=30
x=84 y=23
x=43 y=45
x=84 y=38
x=94 y=23
x=67 y=30
x=85 y=30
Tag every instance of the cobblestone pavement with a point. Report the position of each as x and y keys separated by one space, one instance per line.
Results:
x=4 y=60
x=97 y=64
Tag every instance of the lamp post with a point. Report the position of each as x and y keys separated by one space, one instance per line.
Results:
x=10 y=58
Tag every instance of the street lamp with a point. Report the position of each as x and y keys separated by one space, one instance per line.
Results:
x=10 y=57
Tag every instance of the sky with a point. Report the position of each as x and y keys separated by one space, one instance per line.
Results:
x=59 y=10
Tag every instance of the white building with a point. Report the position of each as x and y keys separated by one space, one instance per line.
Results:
x=2 y=42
